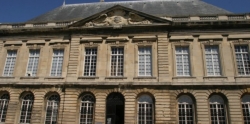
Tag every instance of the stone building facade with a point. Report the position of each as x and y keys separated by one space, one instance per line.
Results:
x=124 y=65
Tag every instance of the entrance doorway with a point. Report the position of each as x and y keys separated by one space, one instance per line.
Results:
x=115 y=109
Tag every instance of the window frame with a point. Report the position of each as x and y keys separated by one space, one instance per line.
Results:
x=185 y=105
x=216 y=108
x=5 y=103
x=46 y=108
x=247 y=108
x=51 y=63
x=88 y=102
x=14 y=67
x=27 y=118
x=182 y=44
x=84 y=62
x=144 y=106
x=221 y=60
x=110 y=63
x=26 y=74
x=151 y=61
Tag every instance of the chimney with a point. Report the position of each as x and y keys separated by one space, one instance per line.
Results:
x=101 y=0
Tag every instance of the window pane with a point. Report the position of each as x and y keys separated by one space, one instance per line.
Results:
x=90 y=62
x=212 y=60
x=33 y=62
x=182 y=61
x=242 y=59
x=10 y=63
x=116 y=62
x=145 y=61
x=57 y=62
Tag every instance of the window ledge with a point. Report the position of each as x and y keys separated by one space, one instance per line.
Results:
x=54 y=78
x=214 y=77
x=146 y=77
x=247 y=76
x=183 y=77
x=85 y=77
x=7 y=77
x=29 y=77
x=115 y=77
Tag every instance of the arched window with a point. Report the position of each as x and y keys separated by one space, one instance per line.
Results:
x=217 y=110
x=87 y=109
x=4 y=101
x=52 y=109
x=186 y=110
x=26 y=108
x=145 y=110
x=245 y=102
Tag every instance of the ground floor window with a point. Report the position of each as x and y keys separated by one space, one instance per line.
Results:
x=145 y=110
x=26 y=108
x=186 y=110
x=217 y=110
x=87 y=109
x=52 y=109
x=4 y=101
x=245 y=102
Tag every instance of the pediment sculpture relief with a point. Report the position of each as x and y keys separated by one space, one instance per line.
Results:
x=118 y=17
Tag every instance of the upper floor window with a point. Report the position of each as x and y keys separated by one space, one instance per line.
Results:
x=145 y=61
x=52 y=109
x=26 y=108
x=90 y=62
x=212 y=61
x=4 y=101
x=242 y=59
x=33 y=62
x=245 y=102
x=10 y=63
x=87 y=109
x=182 y=61
x=217 y=110
x=186 y=110
x=145 y=110
x=117 y=55
x=57 y=62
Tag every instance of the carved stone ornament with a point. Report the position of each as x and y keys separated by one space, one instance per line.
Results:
x=118 y=17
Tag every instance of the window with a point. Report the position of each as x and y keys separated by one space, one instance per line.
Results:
x=90 y=62
x=10 y=63
x=182 y=61
x=245 y=102
x=87 y=109
x=52 y=109
x=217 y=110
x=26 y=108
x=4 y=101
x=145 y=110
x=57 y=62
x=145 y=61
x=117 y=61
x=242 y=59
x=33 y=62
x=186 y=110
x=212 y=60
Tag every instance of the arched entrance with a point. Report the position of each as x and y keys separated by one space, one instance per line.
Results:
x=115 y=109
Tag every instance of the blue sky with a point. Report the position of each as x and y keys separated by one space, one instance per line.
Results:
x=12 y=11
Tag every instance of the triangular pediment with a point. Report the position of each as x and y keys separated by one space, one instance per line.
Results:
x=119 y=16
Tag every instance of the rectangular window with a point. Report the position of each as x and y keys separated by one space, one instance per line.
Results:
x=212 y=60
x=145 y=61
x=90 y=61
x=242 y=59
x=182 y=61
x=33 y=62
x=57 y=62
x=10 y=62
x=117 y=61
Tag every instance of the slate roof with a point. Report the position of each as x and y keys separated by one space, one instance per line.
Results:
x=159 y=8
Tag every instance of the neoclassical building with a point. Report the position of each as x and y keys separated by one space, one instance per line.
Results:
x=129 y=62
